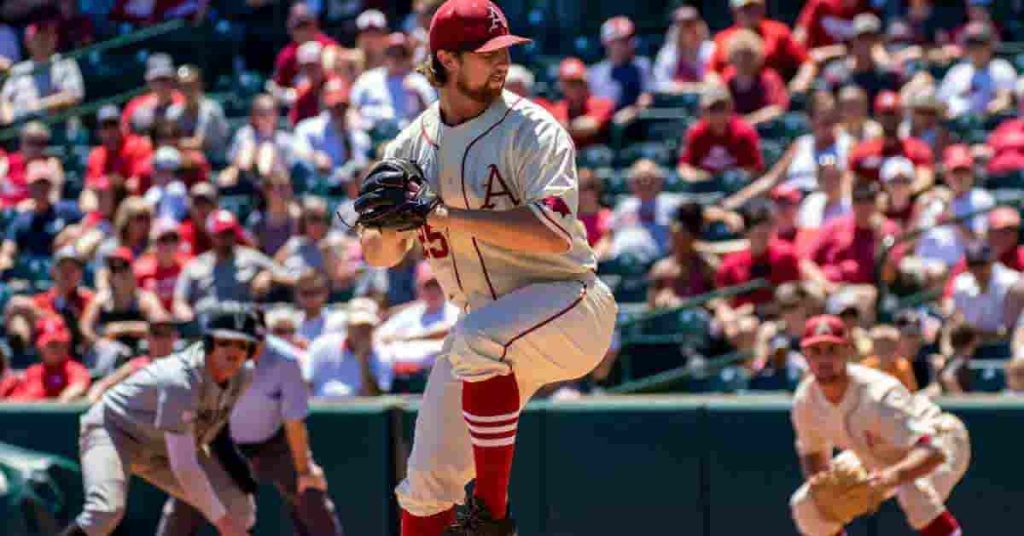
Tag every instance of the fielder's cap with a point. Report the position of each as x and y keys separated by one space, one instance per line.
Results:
x=572 y=69
x=236 y=323
x=785 y=193
x=957 y=157
x=617 y=28
x=897 y=167
x=108 y=113
x=1004 y=218
x=39 y=170
x=736 y=4
x=122 y=253
x=35 y=129
x=309 y=52
x=865 y=191
x=471 y=25
x=68 y=253
x=362 y=312
x=336 y=91
x=887 y=101
x=978 y=32
x=371 y=19
x=163 y=227
x=824 y=329
x=300 y=14
x=159 y=65
x=51 y=328
x=713 y=95
x=221 y=221
x=685 y=14
x=978 y=252
x=167 y=159
x=866 y=23
x=203 y=190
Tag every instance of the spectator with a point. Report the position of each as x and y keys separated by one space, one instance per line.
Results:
x=168 y=195
x=595 y=217
x=311 y=295
x=227 y=273
x=586 y=116
x=99 y=202
x=372 y=37
x=326 y=146
x=32 y=232
x=142 y=111
x=886 y=357
x=278 y=220
x=758 y=92
x=686 y=272
x=161 y=338
x=306 y=102
x=786 y=202
x=345 y=365
x=393 y=92
x=830 y=202
x=980 y=294
x=520 y=80
x=683 y=61
x=827 y=138
x=57 y=376
x=158 y=269
x=67 y=298
x=202 y=202
x=781 y=51
x=1006 y=145
x=1003 y=236
x=765 y=258
x=149 y=13
x=283 y=322
x=302 y=27
x=121 y=156
x=861 y=67
x=200 y=119
x=258 y=148
x=33 y=141
x=828 y=22
x=133 y=223
x=778 y=364
x=413 y=336
x=622 y=77
x=867 y=156
x=43 y=84
x=897 y=177
x=927 y=121
x=980 y=84
x=846 y=248
x=914 y=345
x=719 y=141
x=640 y=223
x=853 y=113
x=193 y=168
x=313 y=248
x=955 y=377
x=10 y=49
x=10 y=380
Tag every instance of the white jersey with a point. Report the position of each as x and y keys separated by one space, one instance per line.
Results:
x=878 y=419
x=513 y=154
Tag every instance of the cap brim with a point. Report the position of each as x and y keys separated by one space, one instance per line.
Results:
x=502 y=41
x=820 y=339
x=232 y=336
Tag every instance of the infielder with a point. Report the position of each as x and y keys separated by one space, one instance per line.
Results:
x=894 y=443
x=268 y=426
x=504 y=241
x=157 y=423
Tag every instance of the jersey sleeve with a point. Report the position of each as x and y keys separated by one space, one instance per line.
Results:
x=899 y=423
x=547 y=175
x=176 y=407
x=809 y=439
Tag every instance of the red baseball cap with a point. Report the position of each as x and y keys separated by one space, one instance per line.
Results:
x=785 y=193
x=121 y=254
x=887 y=101
x=336 y=91
x=1004 y=218
x=617 y=28
x=957 y=157
x=51 y=329
x=822 y=329
x=572 y=69
x=471 y=26
x=221 y=221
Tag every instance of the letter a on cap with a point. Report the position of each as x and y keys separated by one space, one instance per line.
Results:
x=823 y=329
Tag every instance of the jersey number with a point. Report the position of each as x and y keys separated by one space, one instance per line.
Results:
x=433 y=242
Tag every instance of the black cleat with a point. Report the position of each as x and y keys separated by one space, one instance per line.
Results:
x=475 y=519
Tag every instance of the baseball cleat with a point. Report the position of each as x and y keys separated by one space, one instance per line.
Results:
x=475 y=519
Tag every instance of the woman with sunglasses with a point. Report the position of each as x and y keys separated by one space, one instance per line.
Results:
x=277 y=221
x=158 y=269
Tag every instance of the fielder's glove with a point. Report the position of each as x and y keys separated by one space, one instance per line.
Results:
x=842 y=493
x=395 y=196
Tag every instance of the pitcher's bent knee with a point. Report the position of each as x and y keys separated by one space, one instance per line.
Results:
x=475 y=356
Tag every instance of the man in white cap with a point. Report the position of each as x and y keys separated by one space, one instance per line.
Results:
x=393 y=91
x=623 y=77
x=347 y=364
x=372 y=37
x=141 y=112
x=168 y=194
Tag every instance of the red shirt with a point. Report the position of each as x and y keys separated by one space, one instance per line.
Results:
x=73 y=305
x=828 y=22
x=286 y=66
x=738 y=147
x=1007 y=143
x=597 y=224
x=781 y=52
x=129 y=160
x=1012 y=259
x=847 y=254
x=867 y=157
x=196 y=170
x=45 y=381
x=601 y=110
x=145 y=100
x=9 y=383
x=157 y=279
x=778 y=263
x=307 y=102
x=13 y=188
x=768 y=89
x=195 y=241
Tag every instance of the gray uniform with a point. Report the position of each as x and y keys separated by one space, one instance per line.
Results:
x=123 y=435
x=277 y=394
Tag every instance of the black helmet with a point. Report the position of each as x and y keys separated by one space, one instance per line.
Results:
x=236 y=323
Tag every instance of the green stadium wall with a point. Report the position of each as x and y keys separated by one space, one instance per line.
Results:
x=684 y=466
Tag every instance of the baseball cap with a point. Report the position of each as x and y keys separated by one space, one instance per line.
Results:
x=299 y=14
x=371 y=19
x=572 y=69
x=203 y=190
x=121 y=254
x=957 y=157
x=336 y=91
x=167 y=159
x=159 y=65
x=51 y=329
x=1003 y=218
x=235 y=323
x=824 y=329
x=471 y=26
x=108 y=113
x=977 y=32
x=309 y=52
x=39 y=170
x=68 y=253
x=362 y=311
x=978 y=252
x=685 y=14
x=398 y=40
x=164 y=226
x=866 y=23
x=35 y=129
x=925 y=100
x=617 y=28
x=736 y=4
x=713 y=95
x=221 y=221
x=896 y=167
x=785 y=193
x=887 y=101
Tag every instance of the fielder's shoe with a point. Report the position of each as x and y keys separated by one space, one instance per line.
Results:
x=475 y=520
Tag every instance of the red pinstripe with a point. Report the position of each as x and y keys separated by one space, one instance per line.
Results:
x=546 y=321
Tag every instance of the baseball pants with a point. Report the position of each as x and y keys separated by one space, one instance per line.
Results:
x=921 y=500
x=110 y=458
x=544 y=333
x=312 y=513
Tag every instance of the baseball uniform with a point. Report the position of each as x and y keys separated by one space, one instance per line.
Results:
x=544 y=317
x=878 y=421
x=124 y=434
x=277 y=394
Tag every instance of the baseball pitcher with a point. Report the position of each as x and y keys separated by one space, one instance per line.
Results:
x=486 y=182
x=894 y=444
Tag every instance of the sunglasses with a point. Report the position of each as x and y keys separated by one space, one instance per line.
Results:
x=168 y=239
x=118 y=267
x=312 y=291
x=162 y=332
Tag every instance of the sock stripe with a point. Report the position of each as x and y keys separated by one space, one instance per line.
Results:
x=499 y=442
x=488 y=419
x=493 y=429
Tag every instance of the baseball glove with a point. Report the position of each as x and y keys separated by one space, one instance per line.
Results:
x=395 y=195
x=842 y=493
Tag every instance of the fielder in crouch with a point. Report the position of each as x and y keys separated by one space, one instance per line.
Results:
x=908 y=446
x=508 y=249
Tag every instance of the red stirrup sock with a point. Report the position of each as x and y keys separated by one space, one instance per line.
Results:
x=491 y=410
x=434 y=525
x=944 y=525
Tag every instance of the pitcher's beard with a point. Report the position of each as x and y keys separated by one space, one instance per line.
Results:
x=483 y=95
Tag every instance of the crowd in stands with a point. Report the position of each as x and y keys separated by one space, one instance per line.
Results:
x=865 y=160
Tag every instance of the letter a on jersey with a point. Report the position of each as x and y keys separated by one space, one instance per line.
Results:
x=493 y=191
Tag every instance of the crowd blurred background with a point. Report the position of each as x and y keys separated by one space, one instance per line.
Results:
x=742 y=167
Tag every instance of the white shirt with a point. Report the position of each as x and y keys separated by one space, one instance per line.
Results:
x=803 y=170
x=653 y=218
x=667 y=61
x=971 y=202
x=24 y=88
x=377 y=96
x=318 y=133
x=414 y=320
x=945 y=243
x=983 y=308
x=815 y=211
x=333 y=371
x=169 y=200
x=965 y=89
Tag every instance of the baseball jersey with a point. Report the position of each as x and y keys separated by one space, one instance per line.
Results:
x=513 y=154
x=878 y=419
x=277 y=394
x=175 y=394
